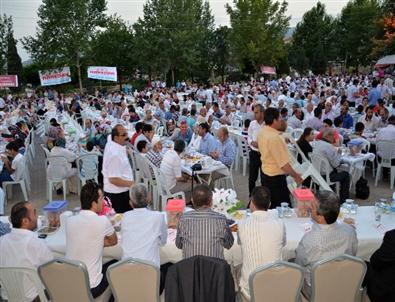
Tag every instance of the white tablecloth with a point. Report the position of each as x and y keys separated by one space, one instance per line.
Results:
x=369 y=238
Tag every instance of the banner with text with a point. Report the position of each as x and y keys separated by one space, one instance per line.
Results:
x=102 y=73
x=55 y=76
x=268 y=70
x=8 y=81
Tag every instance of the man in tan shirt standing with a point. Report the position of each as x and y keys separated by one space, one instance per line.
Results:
x=275 y=158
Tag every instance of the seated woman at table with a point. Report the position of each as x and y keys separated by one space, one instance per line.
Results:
x=13 y=163
x=67 y=170
x=304 y=143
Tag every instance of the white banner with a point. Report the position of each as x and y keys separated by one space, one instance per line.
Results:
x=55 y=76
x=102 y=73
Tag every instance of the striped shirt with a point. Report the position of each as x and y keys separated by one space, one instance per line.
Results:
x=262 y=238
x=203 y=232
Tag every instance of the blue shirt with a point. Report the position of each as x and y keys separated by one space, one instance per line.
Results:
x=187 y=137
x=208 y=144
x=227 y=152
x=373 y=96
x=348 y=121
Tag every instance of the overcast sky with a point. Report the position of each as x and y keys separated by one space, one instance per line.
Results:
x=24 y=13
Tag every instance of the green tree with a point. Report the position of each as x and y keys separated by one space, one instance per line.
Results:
x=357 y=25
x=171 y=36
x=312 y=41
x=65 y=31
x=258 y=30
x=115 y=47
x=221 y=45
x=14 y=62
x=5 y=29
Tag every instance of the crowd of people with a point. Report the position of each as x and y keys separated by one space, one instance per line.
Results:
x=331 y=111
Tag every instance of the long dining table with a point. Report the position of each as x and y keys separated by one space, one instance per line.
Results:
x=369 y=234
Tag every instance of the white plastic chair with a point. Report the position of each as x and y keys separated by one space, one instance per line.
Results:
x=163 y=192
x=227 y=180
x=47 y=153
x=160 y=130
x=244 y=151
x=12 y=280
x=321 y=164
x=24 y=183
x=57 y=164
x=385 y=149
x=88 y=168
x=297 y=133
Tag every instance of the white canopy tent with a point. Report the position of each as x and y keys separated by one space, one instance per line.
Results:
x=385 y=61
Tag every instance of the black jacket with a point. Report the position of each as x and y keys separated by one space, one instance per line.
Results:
x=381 y=271
x=200 y=279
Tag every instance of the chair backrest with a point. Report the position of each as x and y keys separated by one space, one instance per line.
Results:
x=385 y=150
x=66 y=280
x=296 y=133
x=89 y=165
x=278 y=281
x=160 y=130
x=337 y=279
x=134 y=280
x=46 y=151
x=56 y=165
x=243 y=146
x=321 y=164
x=17 y=281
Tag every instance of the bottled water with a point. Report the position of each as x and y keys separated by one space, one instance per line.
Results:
x=393 y=203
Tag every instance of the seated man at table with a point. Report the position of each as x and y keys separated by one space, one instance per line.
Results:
x=381 y=269
x=208 y=142
x=146 y=135
x=152 y=227
x=327 y=237
x=203 y=231
x=387 y=134
x=21 y=247
x=170 y=169
x=155 y=154
x=183 y=133
x=227 y=148
x=87 y=234
x=325 y=148
x=13 y=163
x=261 y=236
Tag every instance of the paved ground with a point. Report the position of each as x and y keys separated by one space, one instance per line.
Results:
x=39 y=198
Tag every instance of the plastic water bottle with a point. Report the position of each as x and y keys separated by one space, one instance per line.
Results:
x=393 y=203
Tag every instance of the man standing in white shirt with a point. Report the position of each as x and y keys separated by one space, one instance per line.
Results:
x=87 y=234
x=143 y=231
x=261 y=236
x=117 y=173
x=255 y=157
x=21 y=247
x=170 y=169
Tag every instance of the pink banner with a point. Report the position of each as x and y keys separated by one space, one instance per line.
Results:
x=8 y=81
x=268 y=70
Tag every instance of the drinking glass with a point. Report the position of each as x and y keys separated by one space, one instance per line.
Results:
x=280 y=212
x=377 y=212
